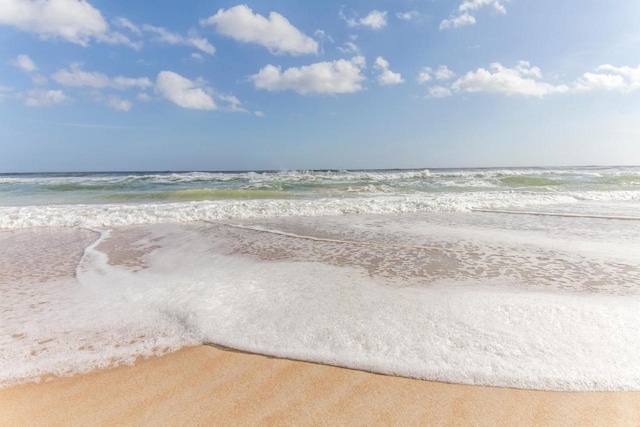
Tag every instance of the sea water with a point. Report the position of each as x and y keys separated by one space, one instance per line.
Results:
x=508 y=277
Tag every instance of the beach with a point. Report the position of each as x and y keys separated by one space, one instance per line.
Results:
x=419 y=318
x=205 y=385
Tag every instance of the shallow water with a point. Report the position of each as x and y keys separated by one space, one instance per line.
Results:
x=517 y=300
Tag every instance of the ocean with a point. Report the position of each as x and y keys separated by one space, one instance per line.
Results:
x=512 y=277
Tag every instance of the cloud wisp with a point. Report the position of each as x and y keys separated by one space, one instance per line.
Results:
x=76 y=76
x=162 y=35
x=26 y=64
x=44 y=98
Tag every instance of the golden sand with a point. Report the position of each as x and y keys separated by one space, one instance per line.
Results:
x=208 y=386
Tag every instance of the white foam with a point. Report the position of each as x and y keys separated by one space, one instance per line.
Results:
x=470 y=334
x=109 y=215
x=475 y=331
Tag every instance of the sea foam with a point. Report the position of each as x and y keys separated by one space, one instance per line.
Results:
x=109 y=215
x=270 y=290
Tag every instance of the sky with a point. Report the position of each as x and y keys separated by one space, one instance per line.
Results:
x=280 y=85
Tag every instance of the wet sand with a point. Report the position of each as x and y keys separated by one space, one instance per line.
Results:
x=204 y=385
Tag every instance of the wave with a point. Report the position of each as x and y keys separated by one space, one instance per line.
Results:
x=197 y=194
x=106 y=215
x=529 y=181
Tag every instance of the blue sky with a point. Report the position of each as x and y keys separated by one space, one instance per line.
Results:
x=219 y=85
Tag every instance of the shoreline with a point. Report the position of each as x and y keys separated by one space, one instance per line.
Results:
x=209 y=385
x=205 y=385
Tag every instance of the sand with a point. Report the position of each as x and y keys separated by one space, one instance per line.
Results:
x=205 y=385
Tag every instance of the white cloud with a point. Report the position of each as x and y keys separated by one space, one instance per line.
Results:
x=425 y=75
x=521 y=80
x=527 y=80
x=39 y=79
x=231 y=103
x=4 y=91
x=196 y=56
x=119 y=104
x=610 y=78
x=165 y=36
x=466 y=11
x=24 y=63
x=375 y=20
x=184 y=92
x=77 y=77
x=408 y=16
x=458 y=21
x=438 y=92
x=341 y=76
x=275 y=33
x=123 y=83
x=75 y=21
x=259 y=113
x=348 y=47
x=125 y=23
x=442 y=73
x=386 y=77
x=44 y=98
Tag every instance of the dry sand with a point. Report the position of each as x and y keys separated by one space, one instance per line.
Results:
x=205 y=385
x=208 y=386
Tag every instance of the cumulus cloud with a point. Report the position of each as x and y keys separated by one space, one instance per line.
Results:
x=184 y=92
x=162 y=35
x=466 y=12
x=341 y=76
x=521 y=80
x=610 y=78
x=75 y=21
x=275 y=33
x=44 y=98
x=77 y=77
x=375 y=20
x=442 y=73
x=386 y=76
x=527 y=80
